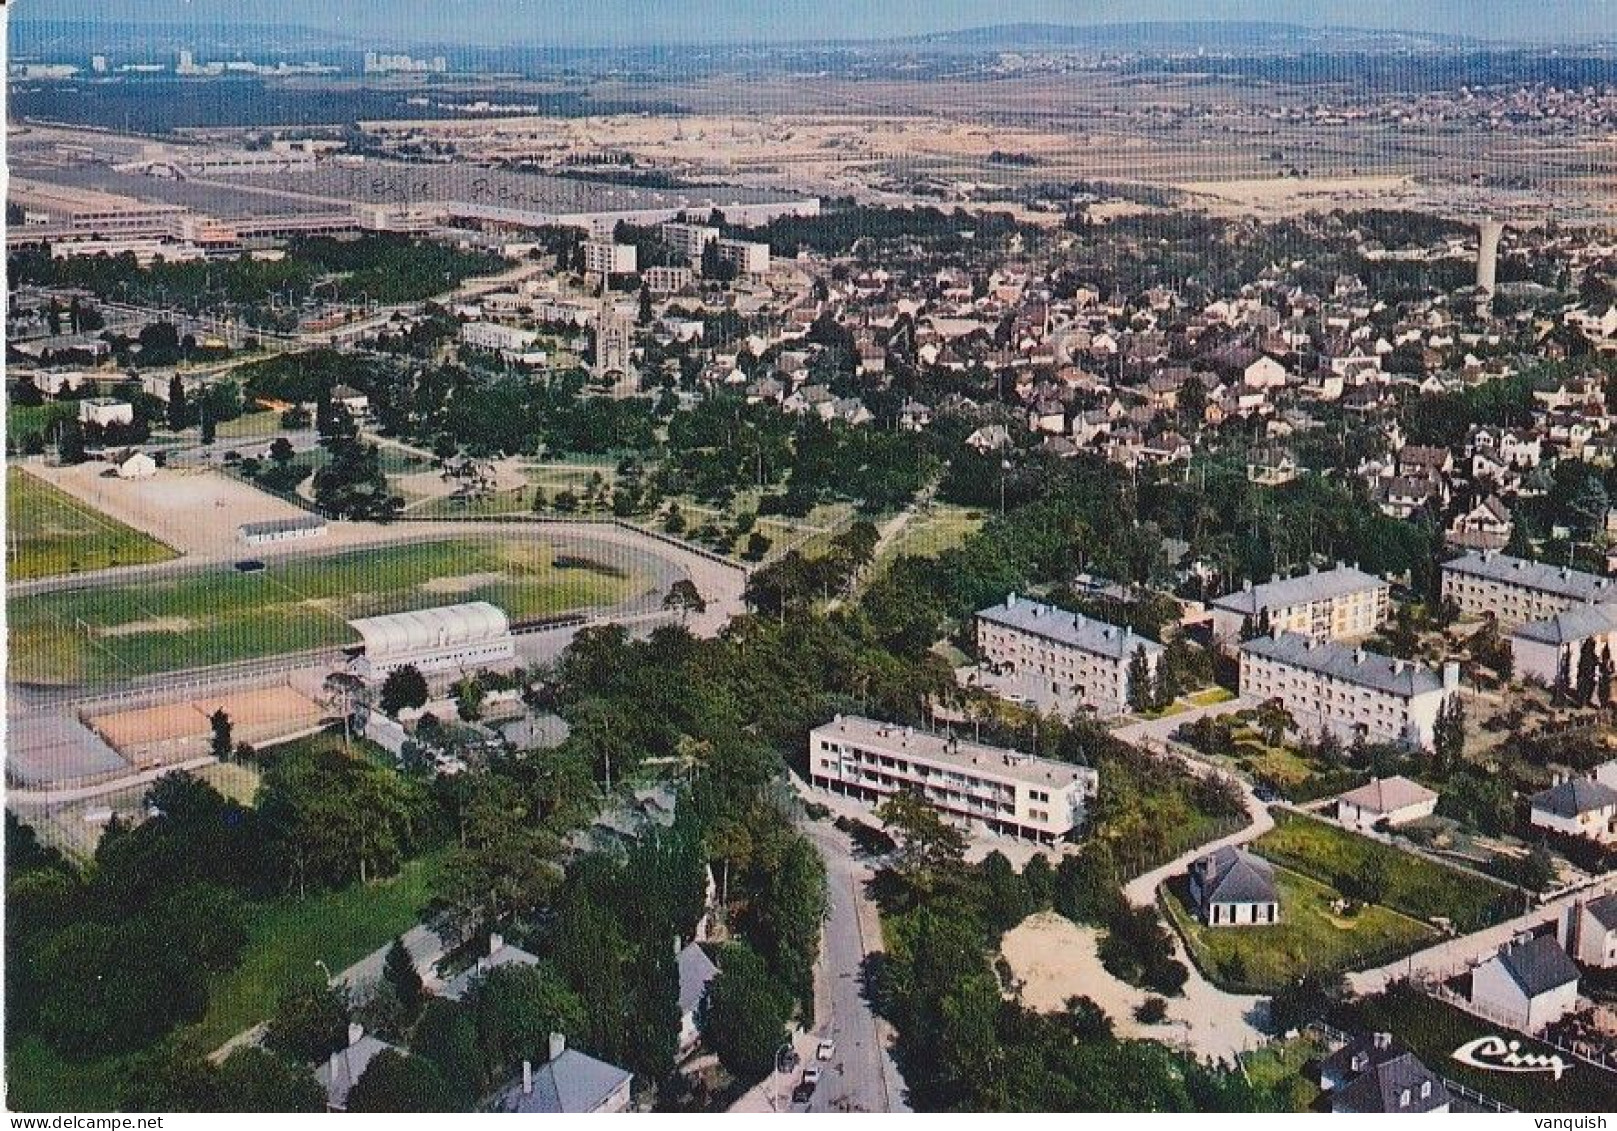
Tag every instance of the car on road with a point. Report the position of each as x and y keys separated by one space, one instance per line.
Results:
x=1265 y=794
x=825 y=1050
x=811 y=1077
x=803 y=1093
x=251 y=565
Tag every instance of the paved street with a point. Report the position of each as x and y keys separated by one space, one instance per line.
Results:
x=862 y=1075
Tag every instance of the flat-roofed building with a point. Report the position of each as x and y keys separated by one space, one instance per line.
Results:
x=446 y=638
x=607 y=257
x=105 y=411
x=497 y=336
x=271 y=531
x=985 y=787
x=1335 y=604
x=746 y=257
x=1070 y=659
x=1348 y=691
x=688 y=239
x=667 y=280
x=1516 y=590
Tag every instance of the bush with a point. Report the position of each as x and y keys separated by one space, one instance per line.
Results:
x=1151 y=1011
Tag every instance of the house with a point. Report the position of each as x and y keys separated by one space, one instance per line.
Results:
x=356 y=402
x=569 y=1083
x=137 y=465
x=343 y=1068
x=1581 y=807
x=1591 y=932
x=1372 y=1075
x=696 y=973
x=500 y=953
x=1395 y=800
x=1233 y=887
x=1486 y=526
x=1529 y=984
x=989 y=438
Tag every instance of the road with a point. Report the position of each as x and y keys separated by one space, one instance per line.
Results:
x=862 y=1075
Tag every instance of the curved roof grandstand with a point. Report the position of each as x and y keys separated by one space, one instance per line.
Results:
x=426 y=631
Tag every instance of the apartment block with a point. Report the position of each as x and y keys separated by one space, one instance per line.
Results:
x=1515 y=590
x=605 y=257
x=986 y=788
x=1075 y=660
x=747 y=258
x=1351 y=692
x=688 y=239
x=1336 y=604
x=667 y=280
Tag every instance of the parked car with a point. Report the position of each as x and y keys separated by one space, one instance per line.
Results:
x=811 y=1077
x=825 y=1050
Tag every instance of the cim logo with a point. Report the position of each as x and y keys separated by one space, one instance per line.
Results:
x=1495 y=1054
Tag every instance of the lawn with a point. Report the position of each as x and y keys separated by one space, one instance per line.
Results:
x=1414 y=885
x=1310 y=938
x=929 y=533
x=1432 y=1030
x=297 y=604
x=49 y=533
x=284 y=940
x=1281 y=1070
x=41 y=418
x=251 y=426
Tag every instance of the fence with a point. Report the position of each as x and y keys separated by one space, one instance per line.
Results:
x=1604 y=1062
x=1338 y=1038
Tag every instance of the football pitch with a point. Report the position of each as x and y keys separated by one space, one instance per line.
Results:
x=103 y=633
x=48 y=532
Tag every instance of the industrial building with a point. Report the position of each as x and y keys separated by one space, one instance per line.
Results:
x=444 y=639
x=986 y=787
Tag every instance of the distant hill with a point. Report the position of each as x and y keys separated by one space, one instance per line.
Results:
x=65 y=38
x=1186 y=35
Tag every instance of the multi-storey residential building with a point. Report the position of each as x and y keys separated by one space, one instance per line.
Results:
x=1515 y=590
x=688 y=239
x=667 y=280
x=1074 y=660
x=497 y=336
x=607 y=257
x=985 y=787
x=747 y=258
x=1349 y=691
x=1337 y=604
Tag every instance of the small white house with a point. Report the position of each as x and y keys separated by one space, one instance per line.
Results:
x=137 y=465
x=1395 y=800
x=1581 y=807
x=1591 y=932
x=1232 y=887
x=1528 y=985
x=104 y=411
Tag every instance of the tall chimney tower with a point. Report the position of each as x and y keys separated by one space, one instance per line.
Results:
x=1489 y=232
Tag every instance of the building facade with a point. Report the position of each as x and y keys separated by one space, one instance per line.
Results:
x=1348 y=691
x=1076 y=660
x=606 y=257
x=1515 y=590
x=443 y=639
x=1338 y=604
x=987 y=787
x=746 y=257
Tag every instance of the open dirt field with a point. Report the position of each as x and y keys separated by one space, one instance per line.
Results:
x=196 y=512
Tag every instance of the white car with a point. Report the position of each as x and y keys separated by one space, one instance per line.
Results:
x=811 y=1076
x=826 y=1049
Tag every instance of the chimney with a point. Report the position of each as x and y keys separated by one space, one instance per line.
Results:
x=1010 y=600
x=495 y=942
x=1383 y=1040
x=355 y=1031
x=558 y=1045
x=1451 y=676
x=527 y=1077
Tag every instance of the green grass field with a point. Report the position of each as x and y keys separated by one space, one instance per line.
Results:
x=1310 y=938
x=284 y=940
x=49 y=532
x=1414 y=885
x=23 y=419
x=219 y=616
x=941 y=527
x=1281 y=1070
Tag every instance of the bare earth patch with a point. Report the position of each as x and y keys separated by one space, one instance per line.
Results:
x=461 y=583
x=139 y=627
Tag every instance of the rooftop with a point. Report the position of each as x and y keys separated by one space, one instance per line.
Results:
x=437 y=627
x=573 y=1082
x=952 y=751
x=1403 y=678
x=1559 y=580
x=1383 y=795
x=1284 y=592
x=1571 y=626
x=1234 y=875
x=1538 y=965
x=1575 y=796
x=1071 y=629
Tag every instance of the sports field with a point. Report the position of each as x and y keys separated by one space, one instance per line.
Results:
x=48 y=532
x=195 y=619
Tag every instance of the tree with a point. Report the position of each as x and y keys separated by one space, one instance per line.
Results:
x=179 y=410
x=516 y=1008
x=446 y=1034
x=686 y=598
x=404 y=687
x=223 y=743
x=280 y=450
x=1141 y=694
x=396 y=1081
x=1588 y=672
x=255 y=1079
x=1448 y=734
x=70 y=442
x=400 y=972
x=1274 y=721
x=743 y=1017
x=310 y=1023
x=469 y=696
x=1191 y=402
x=929 y=847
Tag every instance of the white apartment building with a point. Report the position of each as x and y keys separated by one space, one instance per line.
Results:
x=1075 y=660
x=105 y=411
x=1515 y=590
x=494 y=336
x=983 y=787
x=1323 y=684
x=747 y=258
x=1338 y=604
x=605 y=257
x=688 y=239
x=667 y=280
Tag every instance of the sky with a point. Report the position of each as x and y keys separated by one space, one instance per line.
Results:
x=639 y=22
